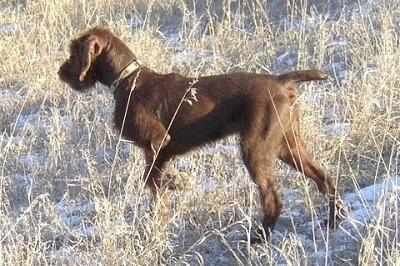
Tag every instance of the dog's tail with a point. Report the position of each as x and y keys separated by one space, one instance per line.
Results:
x=302 y=75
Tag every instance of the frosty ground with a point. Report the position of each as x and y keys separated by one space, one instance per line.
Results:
x=318 y=245
x=71 y=191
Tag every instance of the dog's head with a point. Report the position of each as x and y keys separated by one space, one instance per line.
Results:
x=96 y=55
x=78 y=70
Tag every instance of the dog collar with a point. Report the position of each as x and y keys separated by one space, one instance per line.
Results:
x=125 y=73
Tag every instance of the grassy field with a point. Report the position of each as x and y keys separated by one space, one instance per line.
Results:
x=70 y=189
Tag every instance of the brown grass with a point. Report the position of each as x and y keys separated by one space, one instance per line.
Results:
x=60 y=204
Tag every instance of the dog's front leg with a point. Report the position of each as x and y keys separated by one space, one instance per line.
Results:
x=160 y=199
x=150 y=134
x=141 y=126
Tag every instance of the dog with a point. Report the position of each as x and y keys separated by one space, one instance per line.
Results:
x=169 y=114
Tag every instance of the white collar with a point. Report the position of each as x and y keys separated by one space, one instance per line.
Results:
x=132 y=67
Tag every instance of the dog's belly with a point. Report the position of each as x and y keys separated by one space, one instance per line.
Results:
x=210 y=127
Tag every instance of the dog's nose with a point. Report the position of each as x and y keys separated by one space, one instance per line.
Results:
x=61 y=73
x=60 y=69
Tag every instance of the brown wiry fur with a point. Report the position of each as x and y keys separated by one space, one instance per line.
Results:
x=261 y=108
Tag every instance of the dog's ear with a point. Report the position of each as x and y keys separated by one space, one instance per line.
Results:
x=88 y=51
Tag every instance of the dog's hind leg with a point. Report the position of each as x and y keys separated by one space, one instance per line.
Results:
x=260 y=161
x=294 y=153
x=259 y=145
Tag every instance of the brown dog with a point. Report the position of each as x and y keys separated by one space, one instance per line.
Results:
x=261 y=108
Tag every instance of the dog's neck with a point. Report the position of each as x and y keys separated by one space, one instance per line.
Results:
x=127 y=71
x=114 y=62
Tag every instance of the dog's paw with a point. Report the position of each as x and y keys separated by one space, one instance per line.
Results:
x=184 y=182
x=341 y=210
x=174 y=179
x=259 y=237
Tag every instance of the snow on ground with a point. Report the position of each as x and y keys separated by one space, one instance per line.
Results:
x=369 y=203
x=338 y=129
x=364 y=206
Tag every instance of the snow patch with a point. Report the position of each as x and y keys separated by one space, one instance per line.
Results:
x=338 y=129
x=71 y=213
x=9 y=28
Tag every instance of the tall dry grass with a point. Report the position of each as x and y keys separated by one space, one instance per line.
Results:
x=62 y=204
